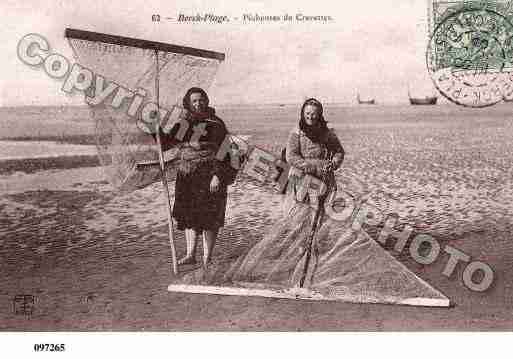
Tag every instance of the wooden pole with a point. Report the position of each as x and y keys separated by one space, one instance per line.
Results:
x=319 y=213
x=310 y=242
x=163 y=171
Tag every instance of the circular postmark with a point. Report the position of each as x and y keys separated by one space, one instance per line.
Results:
x=470 y=57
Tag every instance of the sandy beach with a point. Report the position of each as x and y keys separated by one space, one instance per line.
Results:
x=96 y=260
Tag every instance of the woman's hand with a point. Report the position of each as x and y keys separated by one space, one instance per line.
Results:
x=215 y=184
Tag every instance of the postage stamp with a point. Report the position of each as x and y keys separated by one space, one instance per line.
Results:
x=470 y=51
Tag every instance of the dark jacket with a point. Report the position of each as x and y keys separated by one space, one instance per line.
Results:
x=199 y=146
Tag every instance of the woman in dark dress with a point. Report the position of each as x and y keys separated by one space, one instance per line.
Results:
x=202 y=180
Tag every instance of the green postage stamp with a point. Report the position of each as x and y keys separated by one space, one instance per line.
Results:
x=470 y=51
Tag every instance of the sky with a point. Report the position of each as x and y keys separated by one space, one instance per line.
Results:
x=374 y=47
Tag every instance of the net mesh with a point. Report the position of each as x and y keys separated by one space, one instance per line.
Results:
x=129 y=155
x=346 y=263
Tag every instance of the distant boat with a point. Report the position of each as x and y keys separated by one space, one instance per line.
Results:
x=428 y=100
x=364 y=102
x=507 y=99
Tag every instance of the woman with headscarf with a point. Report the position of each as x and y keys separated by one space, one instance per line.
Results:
x=280 y=257
x=202 y=180
x=314 y=149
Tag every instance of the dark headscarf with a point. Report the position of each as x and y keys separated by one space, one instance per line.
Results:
x=317 y=131
x=187 y=103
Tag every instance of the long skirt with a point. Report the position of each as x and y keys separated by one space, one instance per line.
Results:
x=195 y=206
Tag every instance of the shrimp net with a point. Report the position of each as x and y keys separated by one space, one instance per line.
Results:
x=344 y=264
x=160 y=74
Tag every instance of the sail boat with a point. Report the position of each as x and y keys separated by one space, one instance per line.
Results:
x=428 y=100
x=364 y=102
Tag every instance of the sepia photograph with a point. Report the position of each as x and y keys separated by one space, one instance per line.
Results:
x=256 y=166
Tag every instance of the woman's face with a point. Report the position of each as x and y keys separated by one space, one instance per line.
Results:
x=311 y=115
x=198 y=102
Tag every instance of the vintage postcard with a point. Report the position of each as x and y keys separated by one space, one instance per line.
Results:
x=256 y=166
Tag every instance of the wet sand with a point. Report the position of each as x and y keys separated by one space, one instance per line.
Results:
x=95 y=260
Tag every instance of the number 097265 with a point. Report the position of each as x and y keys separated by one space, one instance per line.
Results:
x=49 y=347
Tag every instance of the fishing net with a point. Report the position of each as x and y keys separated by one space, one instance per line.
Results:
x=163 y=73
x=345 y=264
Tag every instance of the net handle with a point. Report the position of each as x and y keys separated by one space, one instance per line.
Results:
x=163 y=171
